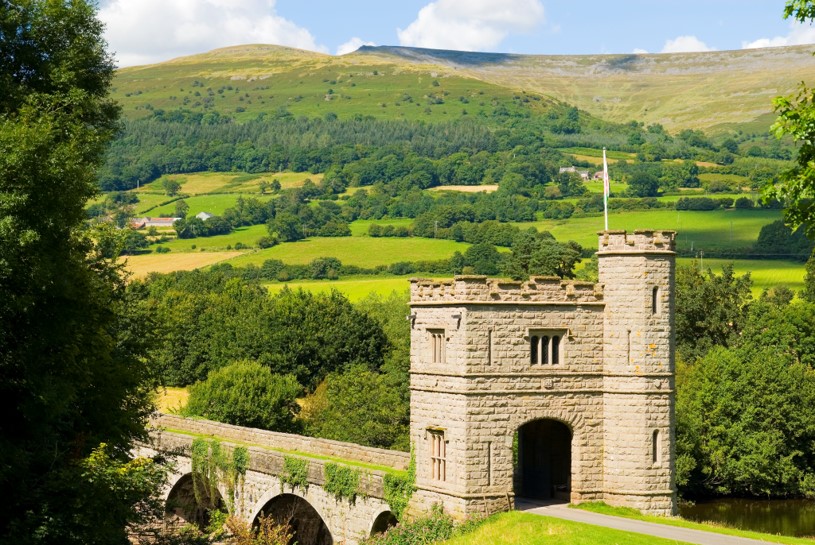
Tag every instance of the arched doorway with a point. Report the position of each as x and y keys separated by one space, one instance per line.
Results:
x=543 y=460
x=382 y=522
x=185 y=507
x=305 y=523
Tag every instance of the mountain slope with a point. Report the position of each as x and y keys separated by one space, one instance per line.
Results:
x=712 y=91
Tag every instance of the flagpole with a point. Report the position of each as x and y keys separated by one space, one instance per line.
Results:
x=606 y=189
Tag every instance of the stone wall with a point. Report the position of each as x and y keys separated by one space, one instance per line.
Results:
x=348 y=522
x=285 y=441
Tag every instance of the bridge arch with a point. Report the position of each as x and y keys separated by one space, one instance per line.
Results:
x=306 y=523
x=382 y=522
x=181 y=506
x=543 y=459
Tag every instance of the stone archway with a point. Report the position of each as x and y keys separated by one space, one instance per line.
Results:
x=383 y=522
x=306 y=524
x=543 y=460
x=183 y=507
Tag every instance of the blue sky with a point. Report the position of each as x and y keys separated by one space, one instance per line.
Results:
x=147 y=31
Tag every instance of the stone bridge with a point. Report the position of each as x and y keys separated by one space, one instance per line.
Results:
x=317 y=516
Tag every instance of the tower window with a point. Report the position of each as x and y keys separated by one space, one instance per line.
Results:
x=438 y=455
x=655 y=300
x=437 y=345
x=656 y=448
x=545 y=347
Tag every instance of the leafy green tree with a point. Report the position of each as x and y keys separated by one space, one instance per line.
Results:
x=710 y=309
x=72 y=372
x=360 y=406
x=483 y=259
x=643 y=184
x=181 y=209
x=796 y=118
x=246 y=393
x=808 y=293
x=741 y=429
x=777 y=241
x=540 y=254
x=171 y=187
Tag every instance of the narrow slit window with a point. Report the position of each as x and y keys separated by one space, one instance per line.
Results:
x=555 y=349
x=489 y=347
x=545 y=350
x=655 y=300
x=656 y=449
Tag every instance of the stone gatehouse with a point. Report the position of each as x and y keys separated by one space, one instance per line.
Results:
x=548 y=389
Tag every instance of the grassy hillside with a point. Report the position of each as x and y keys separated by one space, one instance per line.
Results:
x=245 y=81
x=713 y=90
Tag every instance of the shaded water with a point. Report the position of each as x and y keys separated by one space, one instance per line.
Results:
x=786 y=517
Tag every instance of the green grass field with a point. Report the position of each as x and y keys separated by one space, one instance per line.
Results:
x=212 y=204
x=765 y=273
x=717 y=229
x=353 y=287
x=361 y=251
x=202 y=183
x=245 y=235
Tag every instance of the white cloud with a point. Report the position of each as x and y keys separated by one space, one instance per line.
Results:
x=638 y=51
x=352 y=45
x=799 y=35
x=147 y=31
x=685 y=44
x=470 y=25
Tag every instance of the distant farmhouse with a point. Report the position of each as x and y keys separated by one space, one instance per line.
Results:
x=203 y=216
x=141 y=223
x=584 y=173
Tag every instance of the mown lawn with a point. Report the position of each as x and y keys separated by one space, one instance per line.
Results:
x=518 y=528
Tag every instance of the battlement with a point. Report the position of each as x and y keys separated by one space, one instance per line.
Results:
x=636 y=242
x=480 y=289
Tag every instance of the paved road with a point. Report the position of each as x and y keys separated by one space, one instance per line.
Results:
x=685 y=535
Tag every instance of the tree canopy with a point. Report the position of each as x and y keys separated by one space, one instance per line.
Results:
x=796 y=118
x=72 y=375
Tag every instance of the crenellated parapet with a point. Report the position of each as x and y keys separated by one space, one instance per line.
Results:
x=638 y=241
x=480 y=289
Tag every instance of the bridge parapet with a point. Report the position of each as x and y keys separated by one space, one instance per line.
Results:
x=270 y=462
x=288 y=442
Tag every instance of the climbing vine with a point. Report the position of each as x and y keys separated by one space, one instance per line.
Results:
x=399 y=487
x=295 y=472
x=213 y=465
x=341 y=481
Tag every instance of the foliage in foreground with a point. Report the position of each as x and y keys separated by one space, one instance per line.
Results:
x=435 y=527
x=72 y=372
x=246 y=393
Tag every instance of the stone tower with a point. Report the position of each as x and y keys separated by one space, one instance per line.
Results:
x=547 y=389
x=637 y=272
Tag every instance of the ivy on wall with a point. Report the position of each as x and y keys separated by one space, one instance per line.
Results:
x=212 y=465
x=399 y=487
x=342 y=482
x=295 y=472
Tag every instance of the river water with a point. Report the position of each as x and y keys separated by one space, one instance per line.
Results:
x=786 y=517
